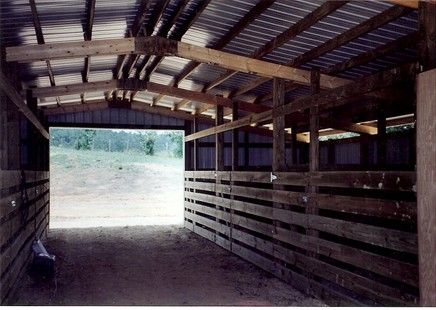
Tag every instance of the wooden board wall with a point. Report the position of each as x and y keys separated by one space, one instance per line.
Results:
x=364 y=251
x=24 y=194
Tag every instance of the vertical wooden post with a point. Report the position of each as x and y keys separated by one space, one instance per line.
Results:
x=219 y=140
x=381 y=139
x=32 y=135
x=235 y=165
x=195 y=146
x=279 y=160
x=364 y=149
x=188 y=163
x=314 y=126
x=278 y=154
x=235 y=139
x=219 y=154
x=246 y=150
x=427 y=33
x=426 y=172
x=294 y=145
x=188 y=147
x=331 y=155
x=426 y=153
x=312 y=205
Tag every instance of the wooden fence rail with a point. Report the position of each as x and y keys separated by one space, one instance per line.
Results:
x=365 y=248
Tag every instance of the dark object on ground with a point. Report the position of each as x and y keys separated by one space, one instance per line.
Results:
x=43 y=263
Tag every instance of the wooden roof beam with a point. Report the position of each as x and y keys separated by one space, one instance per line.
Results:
x=380 y=51
x=176 y=36
x=305 y=23
x=164 y=47
x=145 y=107
x=325 y=100
x=369 y=25
x=40 y=40
x=139 y=85
x=15 y=97
x=412 y=4
x=251 y=15
x=90 y=13
x=126 y=60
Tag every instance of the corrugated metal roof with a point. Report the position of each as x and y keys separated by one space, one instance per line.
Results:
x=64 y=20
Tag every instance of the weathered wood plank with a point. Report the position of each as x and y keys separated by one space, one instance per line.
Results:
x=14 y=96
x=426 y=172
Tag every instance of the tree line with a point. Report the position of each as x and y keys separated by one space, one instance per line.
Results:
x=148 y=142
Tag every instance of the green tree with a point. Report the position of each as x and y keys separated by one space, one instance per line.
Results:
x=177 y=139
x=148 y=143
x=85 y=140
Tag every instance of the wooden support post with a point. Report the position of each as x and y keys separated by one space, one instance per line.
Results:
x=381 y=139
x=188 y=161
x=278 y=154
x=426 y=172
x=235 y=165
x=426 y=153
x=294 y=145
x=331 y=161
x=188 y=147
x=314 y=125
x=246 y=150
x=195 y=146
x=279 y=161
x=364 y=149
x=219 y=150
x=235 y=139
x=427 y=33
x=32 y=135
x=312 y=206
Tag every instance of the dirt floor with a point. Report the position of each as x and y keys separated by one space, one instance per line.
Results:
x=151 y=265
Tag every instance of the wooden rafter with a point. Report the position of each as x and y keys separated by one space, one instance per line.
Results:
x=176 y=36
x=145 y=107
x=15 y=97
x=251 y=15
x=126 y=60
x=164 y=47
x=90 y=12
x=344 y=38
x=40 y=40
x=305 y=23
x=140 y=85
x=366 y=57
x=326 y=99
x=163 y=32
x=413 y=4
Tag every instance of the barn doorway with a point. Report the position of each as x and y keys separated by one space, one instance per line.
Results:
x=115 y=177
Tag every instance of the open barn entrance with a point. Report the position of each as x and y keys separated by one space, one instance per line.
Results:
x=114 y=177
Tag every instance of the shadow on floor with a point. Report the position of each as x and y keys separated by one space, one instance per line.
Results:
x=151 y=265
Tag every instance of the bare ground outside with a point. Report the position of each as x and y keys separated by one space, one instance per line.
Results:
x=97 y=188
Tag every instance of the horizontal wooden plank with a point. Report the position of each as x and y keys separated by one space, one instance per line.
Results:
x=11 y=226
x=297 y=280
x=209 y=223
x=377 y=291
x=381 y=180
x=377 y=180
x=159 y=46
x=384 y=237
x=12 y=178
x=389 y=267
x=383 y=208
x=12 y=276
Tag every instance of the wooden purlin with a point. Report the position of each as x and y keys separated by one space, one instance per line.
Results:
x=342 y=39
x=326 y=99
